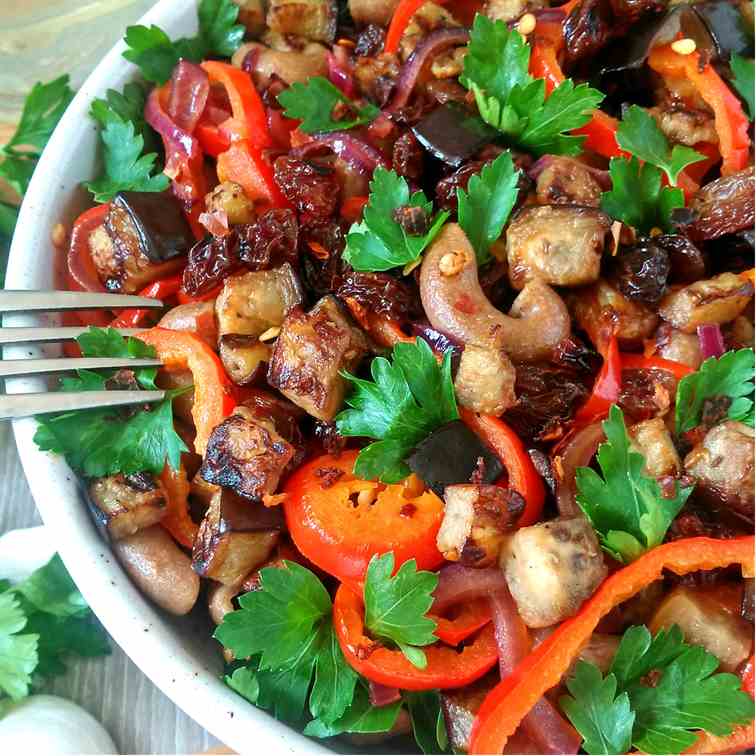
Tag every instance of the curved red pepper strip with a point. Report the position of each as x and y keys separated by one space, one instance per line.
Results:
x=400 y=21
x=213 y=391
x=607 y=387
x=522 y=475
x=244 y=164
x=505 y=706
x=177 y=520
x=472 y=617
x=82 y=273
x=162 y=289
x=249 y=120
x=730 y=121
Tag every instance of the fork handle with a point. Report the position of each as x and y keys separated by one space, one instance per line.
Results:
x=15 y=406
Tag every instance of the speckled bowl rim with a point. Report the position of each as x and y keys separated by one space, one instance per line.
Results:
x=175 y=653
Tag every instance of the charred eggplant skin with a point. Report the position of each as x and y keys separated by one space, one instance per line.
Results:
x=450 y=456
x=159 y=221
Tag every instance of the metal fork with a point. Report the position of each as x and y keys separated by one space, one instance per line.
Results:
x=25 y=405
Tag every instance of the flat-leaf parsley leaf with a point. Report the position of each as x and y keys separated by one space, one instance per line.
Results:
x=313 y=102
x=408 y=398
x=624 y=505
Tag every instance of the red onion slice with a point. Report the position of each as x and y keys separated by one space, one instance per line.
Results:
x=576 y=450
x=189 y=91
x=339 y=74
x=438 y=341
x=357 y=153
x=382 y=695
x=457 y=584
x=434 y=43
x=711 y=340
x=543 y=724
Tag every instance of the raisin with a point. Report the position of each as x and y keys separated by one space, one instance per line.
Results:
x=310 y=186
x=548 y=397
x=645 y=393
x=413 y=219
x=209 y=262
x=270 y=241
x=686 y=261
x=380 y=293
x=407 y=159
x=640 y=273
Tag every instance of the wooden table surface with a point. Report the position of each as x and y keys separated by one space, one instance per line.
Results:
x=138 y=716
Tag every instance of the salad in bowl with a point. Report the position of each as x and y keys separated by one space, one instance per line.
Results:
x=457 y=446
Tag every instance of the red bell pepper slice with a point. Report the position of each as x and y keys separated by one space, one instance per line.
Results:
x=244 y=164
x=606 y=388
x=522 y=475
x=340 y=537
x=184 y=298
x=212 y=141
x=505 y=706
x=470 y=617
x=176 y=519
x=249 y=120
x=446 y=667
x=82 y=273
x=400 y=21
x=351 y=209
x=730 y=121
x=739 y=741
x=213 y=390
x=162 y=289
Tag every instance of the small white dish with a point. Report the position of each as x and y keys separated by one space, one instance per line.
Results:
x=177 y=654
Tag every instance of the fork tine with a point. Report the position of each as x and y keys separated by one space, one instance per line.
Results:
x=45 y=335
x=50 y=301
x=26 y=405
x=12 y=368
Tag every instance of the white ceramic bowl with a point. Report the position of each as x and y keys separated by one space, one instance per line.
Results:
x=177 y=654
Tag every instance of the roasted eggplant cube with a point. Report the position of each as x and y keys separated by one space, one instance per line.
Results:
x=453 y=135
x=246 y=454
x=476 y=521
x=311 y=19
x=551 y=568
x=243 y=357
x=125 y=504
x=251 y=303
x=450 y=455
x=311 y=351
x=159 y=223
x=234 y=538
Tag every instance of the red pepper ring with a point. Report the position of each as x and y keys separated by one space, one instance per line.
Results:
x=213 y=390
x=446 y=668
x=522 y=475
x=470 y=617
x=162 y=289
x=177 y=520
x=505 y=706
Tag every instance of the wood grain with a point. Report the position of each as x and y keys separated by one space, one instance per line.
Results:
x=138 y=716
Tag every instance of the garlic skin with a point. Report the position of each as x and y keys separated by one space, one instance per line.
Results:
x=52 y=725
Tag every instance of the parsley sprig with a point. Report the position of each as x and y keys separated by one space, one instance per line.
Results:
x=485 y=206
x=639 y=133
x=379 y=242
x=743 y=80
x=496 y=72
x=625 y=506
x=43 y=620
x=42 y=110
x=313 y=102
x=395 y=607
x=122 y=107
x=619 y=710
x=408 y=397
x=104 y=441
x=296 y=663
x=637 y=196
x=156 y=54
x=730 y=375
